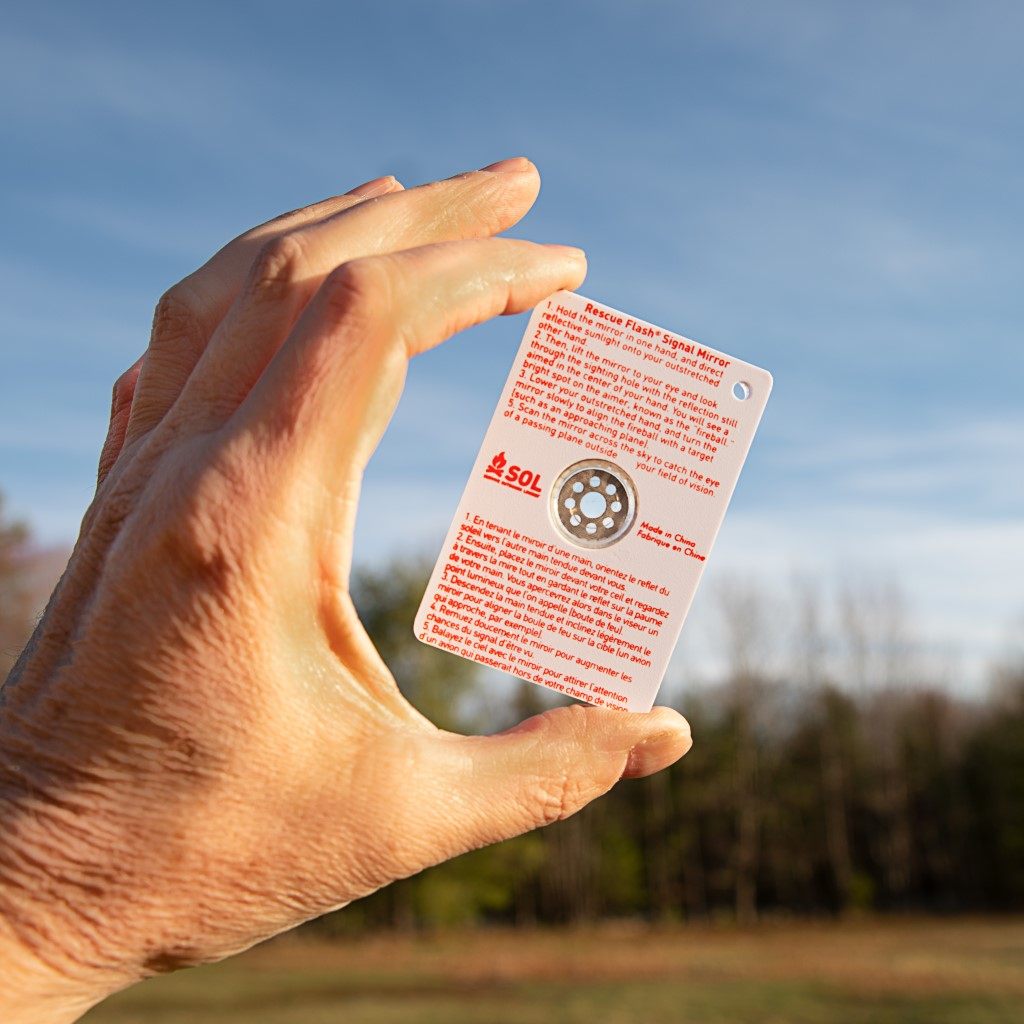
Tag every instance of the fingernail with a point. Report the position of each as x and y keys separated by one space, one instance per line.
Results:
x=657 y=751
x=510 y=166
x=572 y=251
x=377 y=187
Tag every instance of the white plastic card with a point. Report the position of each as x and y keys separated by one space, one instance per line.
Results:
x=593 y=504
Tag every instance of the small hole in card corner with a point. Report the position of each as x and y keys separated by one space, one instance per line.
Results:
x=741 y=391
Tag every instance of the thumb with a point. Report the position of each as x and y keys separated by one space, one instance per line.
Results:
x=547 y=768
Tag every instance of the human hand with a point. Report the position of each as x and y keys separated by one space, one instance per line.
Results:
x=200 y=746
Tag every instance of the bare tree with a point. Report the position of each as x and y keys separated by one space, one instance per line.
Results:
x=27 y=575
x=881 y=662
x=746 y=631
x=813 y=673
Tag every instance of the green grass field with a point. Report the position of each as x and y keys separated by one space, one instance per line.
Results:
x=875 y=972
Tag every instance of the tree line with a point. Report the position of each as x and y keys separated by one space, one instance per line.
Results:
x=833 y=771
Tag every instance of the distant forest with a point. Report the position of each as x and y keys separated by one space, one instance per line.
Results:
x=832 y=772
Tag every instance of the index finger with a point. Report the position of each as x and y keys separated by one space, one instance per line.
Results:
x=333 y=385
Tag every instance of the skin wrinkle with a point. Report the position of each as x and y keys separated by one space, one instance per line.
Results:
x=39 y=859
x=151 y=726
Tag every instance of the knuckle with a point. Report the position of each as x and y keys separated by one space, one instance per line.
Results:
x=278 y=266
x=572 y=719
x=556 y=798
x=124 y=387
x=117 y=507
x=199 y=529
x=175 y=319
x=358 y=286
x=197 y=550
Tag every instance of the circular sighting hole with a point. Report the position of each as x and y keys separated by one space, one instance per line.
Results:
x=592 y=505
x=741 y=391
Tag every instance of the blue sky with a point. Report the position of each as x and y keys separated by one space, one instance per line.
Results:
x=830 y=190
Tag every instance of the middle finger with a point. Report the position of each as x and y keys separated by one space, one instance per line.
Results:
x=290 y=270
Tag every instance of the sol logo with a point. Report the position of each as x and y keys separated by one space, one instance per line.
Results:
x=519 y=479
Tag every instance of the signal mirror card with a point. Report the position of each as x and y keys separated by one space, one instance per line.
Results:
x=593 y=504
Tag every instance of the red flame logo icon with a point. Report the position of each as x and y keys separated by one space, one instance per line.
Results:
x=497 y=465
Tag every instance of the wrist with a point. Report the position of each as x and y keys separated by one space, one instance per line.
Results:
x=33 y=992
x=48 y=933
